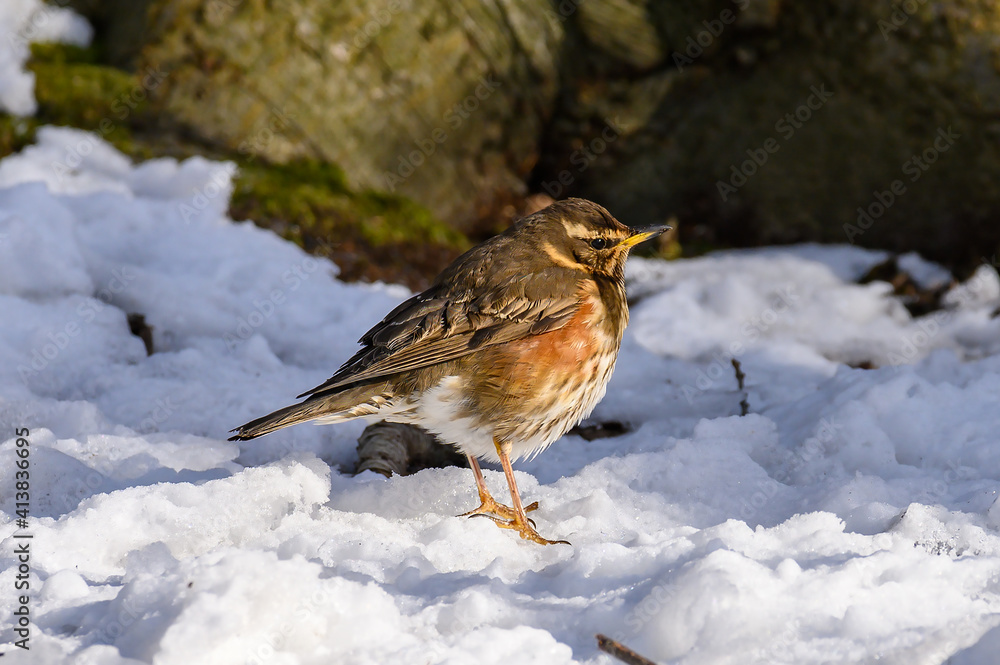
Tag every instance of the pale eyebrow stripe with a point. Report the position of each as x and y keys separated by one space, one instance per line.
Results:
x=584 y=232
x=577 y=230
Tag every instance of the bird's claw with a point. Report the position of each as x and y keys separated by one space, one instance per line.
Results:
x=491 y=507
x=501 y=521
x=526 y=531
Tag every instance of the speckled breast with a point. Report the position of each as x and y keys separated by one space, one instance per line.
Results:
x=533 y=390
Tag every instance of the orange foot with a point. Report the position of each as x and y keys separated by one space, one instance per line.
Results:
x=489 y=507
x=527 y=530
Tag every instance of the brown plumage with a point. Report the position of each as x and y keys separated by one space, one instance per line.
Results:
x=511 y=346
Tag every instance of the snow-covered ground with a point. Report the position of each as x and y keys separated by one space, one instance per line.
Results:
x=850 y=517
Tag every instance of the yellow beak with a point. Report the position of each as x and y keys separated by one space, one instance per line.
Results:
x=642 y=236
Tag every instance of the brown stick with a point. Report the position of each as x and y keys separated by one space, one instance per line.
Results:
x=620 y=651
x=739 y=373
x=740 y=376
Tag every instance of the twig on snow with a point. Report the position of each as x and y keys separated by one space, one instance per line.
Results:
x=620 y=651
x=740 y=376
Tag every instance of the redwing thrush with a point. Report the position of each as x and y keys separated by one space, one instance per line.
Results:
x=511 y=346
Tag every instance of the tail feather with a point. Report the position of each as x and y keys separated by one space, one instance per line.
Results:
x=345 y=405
x=286 y=417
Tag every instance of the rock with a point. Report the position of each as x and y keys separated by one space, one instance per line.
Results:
x=371 y=235
x=122 y=24
x=440 y=101
x=751 y=121
x=721 y=133
x=395 y=448
x=623 y=30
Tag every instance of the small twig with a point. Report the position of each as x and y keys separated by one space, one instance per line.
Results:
x=739 y=373
x=138 y=327
x=740 y=376
x=620 y=651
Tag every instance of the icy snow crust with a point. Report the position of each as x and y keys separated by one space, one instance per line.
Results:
x=851 y=517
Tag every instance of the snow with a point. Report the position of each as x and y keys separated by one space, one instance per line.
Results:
x=23 y=22
x=851 y=516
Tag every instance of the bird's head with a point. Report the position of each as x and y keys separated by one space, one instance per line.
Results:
x=579 y=234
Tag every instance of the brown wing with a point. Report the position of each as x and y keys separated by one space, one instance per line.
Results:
x=455 y=318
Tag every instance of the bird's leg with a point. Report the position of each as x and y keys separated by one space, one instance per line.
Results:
x=519 y=522
x=488 y=506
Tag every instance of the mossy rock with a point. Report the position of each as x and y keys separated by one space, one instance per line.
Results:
x=75 y=90
x=441 y=101
x=372 y=235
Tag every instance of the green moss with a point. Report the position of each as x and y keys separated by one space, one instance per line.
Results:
x=372 y=235
x=313 y=199
x=73 y=90
x=395 y=219
x=86 y=96
x=65 y=53
x=15 y=133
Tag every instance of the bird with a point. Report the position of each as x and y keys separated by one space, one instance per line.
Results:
x=511 y=346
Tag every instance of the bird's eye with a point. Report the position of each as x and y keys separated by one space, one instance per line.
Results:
x=598 y=243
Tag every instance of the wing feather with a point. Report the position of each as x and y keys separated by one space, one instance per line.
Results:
x=440 y=325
